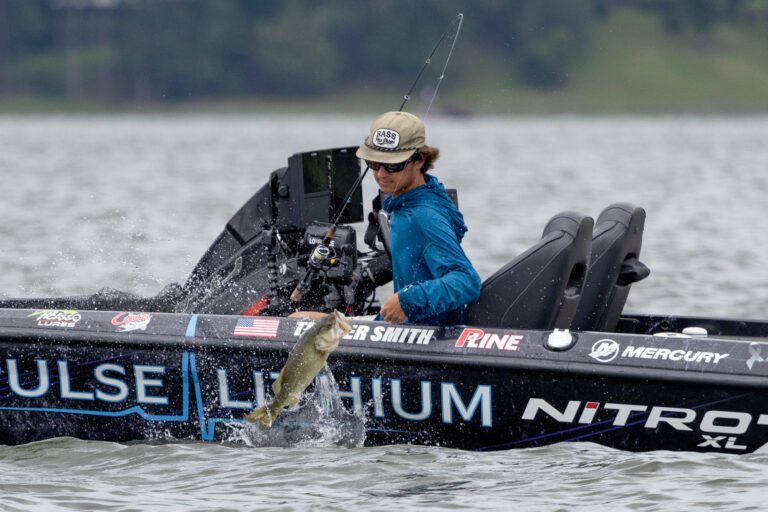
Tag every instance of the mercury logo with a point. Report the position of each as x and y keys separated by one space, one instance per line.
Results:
x=604 y=351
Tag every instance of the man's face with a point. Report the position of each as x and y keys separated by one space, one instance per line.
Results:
x=396 y=183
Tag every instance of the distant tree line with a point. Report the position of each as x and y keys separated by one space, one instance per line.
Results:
x=171 y=50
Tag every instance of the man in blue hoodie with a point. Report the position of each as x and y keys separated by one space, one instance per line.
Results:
x=433 y=279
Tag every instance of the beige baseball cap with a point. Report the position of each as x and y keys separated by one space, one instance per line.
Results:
x=394 y=137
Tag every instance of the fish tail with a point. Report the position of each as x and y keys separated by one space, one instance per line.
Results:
x=262 y=415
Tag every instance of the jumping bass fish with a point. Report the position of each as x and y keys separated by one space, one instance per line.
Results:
x=306 y=359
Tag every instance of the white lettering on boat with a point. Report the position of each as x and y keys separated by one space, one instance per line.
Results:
x=681 y=419
x=110 y=382
x=666 y=354
x=386 y=334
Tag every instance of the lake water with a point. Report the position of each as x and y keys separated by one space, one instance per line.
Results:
x=133 y=202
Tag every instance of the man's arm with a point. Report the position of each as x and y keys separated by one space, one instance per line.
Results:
x=458 y=282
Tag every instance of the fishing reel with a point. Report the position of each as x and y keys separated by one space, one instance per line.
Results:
x=334 y=256
x=327 y=255
x=335 y=275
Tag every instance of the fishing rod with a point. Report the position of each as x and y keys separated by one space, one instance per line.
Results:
x=321 y=251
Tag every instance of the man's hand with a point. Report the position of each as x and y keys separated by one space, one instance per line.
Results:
x=392 y=312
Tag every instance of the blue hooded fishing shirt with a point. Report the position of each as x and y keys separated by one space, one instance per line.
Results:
x=433 y=277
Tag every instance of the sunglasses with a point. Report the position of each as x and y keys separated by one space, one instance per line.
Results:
x=390 y=168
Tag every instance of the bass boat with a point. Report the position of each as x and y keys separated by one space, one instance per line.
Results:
x=547 y=354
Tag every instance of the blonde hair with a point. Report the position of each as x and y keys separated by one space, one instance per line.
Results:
x=428 y=155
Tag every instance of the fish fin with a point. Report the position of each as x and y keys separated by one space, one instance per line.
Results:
x=278 y=382
x=262 y=416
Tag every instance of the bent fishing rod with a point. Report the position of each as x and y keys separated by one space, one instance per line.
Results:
x=321 y=251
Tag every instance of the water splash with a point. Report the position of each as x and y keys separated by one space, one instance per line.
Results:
x=320 y=419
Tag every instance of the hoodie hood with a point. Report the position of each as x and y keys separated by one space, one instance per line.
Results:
x=432 y=195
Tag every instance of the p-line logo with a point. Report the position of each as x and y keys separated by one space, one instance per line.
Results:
x=477 y=338
x=605 y=350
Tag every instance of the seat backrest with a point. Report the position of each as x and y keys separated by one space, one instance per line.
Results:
x=613 y=267
x=541 y=288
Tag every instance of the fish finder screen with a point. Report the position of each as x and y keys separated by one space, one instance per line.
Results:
x=313 y=188
x=343 y=180
x=316 y=177
x=328 y=177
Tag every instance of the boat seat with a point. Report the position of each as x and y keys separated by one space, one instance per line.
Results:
x=541 y=288
x=613 y=267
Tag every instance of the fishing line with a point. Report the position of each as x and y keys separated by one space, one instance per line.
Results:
x=451 y=33
x=458 y=20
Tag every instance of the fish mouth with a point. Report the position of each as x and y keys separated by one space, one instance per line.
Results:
x=342 y=322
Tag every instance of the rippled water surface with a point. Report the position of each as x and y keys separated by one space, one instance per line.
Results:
x=133 y=202
x=69 y=474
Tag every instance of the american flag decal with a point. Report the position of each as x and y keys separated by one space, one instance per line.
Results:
x=257 y=327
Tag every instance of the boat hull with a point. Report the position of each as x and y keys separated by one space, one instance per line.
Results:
x=126 y=376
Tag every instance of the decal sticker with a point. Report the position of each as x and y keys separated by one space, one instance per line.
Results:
x=666 y=354
x=126 y=322
x=477 y=338
x=315 y=240
x=257 y=327
x=604 y=351
x=409 y=335
x=728 y=424
x=56 y=317
x=385 y=138
x=754 y=351
x=714 y=442
x=128 y=386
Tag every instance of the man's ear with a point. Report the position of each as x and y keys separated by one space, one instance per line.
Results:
x=419 y=163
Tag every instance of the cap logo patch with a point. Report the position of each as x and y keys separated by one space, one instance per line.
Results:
x=385 y=138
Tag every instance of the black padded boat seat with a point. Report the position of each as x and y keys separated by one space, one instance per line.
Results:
x=613 y=267
x=539 y=289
